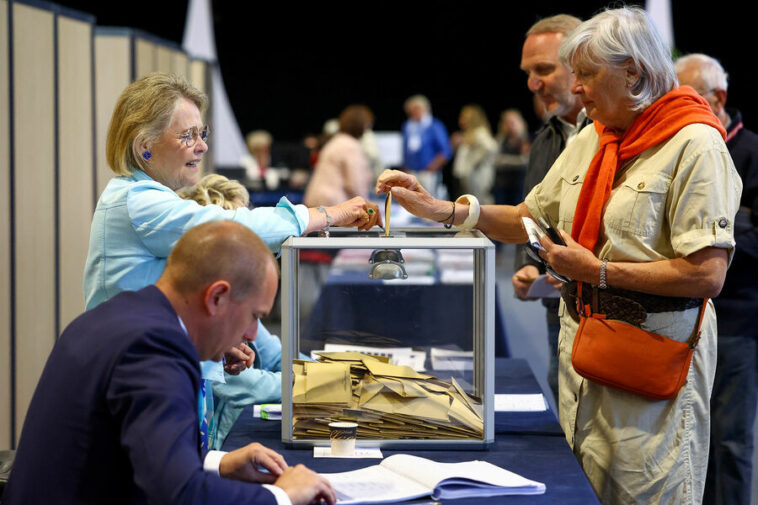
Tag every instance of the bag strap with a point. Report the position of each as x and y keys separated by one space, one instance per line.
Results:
x=695 y=337
x=587 y=311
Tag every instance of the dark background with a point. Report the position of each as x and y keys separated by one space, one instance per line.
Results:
x=289 y=67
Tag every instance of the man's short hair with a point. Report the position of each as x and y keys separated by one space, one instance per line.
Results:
x=418 y=100
x=711 y=71
x=560 y=23
x=219 y=250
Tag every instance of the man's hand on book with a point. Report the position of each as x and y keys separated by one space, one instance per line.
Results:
x=253 y=463
x=304 y=486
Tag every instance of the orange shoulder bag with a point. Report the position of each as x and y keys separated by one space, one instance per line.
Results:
x=623 y=356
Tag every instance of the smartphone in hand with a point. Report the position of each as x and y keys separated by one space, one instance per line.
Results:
x=551 y=232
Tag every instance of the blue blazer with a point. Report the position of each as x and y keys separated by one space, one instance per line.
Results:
x=114 y=415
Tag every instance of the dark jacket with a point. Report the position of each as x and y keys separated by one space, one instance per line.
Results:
x=737 y=304
x=548 y=144
x=114 y=417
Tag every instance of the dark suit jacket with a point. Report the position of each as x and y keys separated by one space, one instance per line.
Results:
x=114 y=417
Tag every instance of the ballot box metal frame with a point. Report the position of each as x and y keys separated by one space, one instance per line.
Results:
x=483 y=306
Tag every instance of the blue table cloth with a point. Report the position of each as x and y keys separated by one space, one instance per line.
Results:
x=530 y=444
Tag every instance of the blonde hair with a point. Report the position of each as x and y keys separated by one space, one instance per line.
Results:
x=476 y=119
x=142 y=113
x=522 y=132
x=258 y=139
x=217 y=190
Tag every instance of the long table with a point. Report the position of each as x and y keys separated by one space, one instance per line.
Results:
x=530 y=444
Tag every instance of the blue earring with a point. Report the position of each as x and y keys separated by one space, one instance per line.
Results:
x=147 y=155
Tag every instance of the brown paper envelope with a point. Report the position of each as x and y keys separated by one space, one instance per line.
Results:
x=352 y=356
x=461 y=413
x=432 y=407
x=327 y=383
x=369 y=390
x=476 y=409
x=298 y=389
x=387 y=370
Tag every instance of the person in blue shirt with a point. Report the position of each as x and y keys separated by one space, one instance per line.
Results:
x=426 y=145
x=240 y=386
x=155 y=143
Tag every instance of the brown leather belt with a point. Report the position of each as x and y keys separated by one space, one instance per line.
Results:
x=623 y=304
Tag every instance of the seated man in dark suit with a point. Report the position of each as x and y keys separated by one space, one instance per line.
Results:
x=114 y=417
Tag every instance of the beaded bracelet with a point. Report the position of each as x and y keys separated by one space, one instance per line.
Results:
x=451 y=217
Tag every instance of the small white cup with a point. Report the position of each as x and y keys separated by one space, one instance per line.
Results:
x=342 y=435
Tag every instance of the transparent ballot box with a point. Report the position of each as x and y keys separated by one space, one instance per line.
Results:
x=393 y=333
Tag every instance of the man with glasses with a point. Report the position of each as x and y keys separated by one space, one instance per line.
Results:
x=733 y=401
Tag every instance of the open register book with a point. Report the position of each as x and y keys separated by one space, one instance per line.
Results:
x=403 y=477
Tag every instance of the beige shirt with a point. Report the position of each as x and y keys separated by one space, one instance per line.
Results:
x=342 y=172
x=670 y=201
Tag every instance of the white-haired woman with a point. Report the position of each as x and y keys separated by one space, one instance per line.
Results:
x=645 y=200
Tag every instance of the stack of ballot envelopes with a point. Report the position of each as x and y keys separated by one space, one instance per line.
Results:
x=387 y=401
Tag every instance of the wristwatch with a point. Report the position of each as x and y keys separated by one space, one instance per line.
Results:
x=603 y=284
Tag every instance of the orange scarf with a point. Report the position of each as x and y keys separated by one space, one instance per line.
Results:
x=659 y=122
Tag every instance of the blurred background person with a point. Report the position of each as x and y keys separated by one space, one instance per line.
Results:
x=474 y=164
x=343 y=169
x=512 y=157
x=426 y=146
x=371 y=150
x=259 y=158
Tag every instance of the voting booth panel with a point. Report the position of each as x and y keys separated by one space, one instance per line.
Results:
x=113 y=73
x=34 y=196
x=5 y=233
x=76 y=144
x=60 y=77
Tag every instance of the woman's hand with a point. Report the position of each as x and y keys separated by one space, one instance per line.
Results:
x=407 y=191
x=572 y=260
x=355 y=212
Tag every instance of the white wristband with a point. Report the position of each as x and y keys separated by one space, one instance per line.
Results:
x=473 y=212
